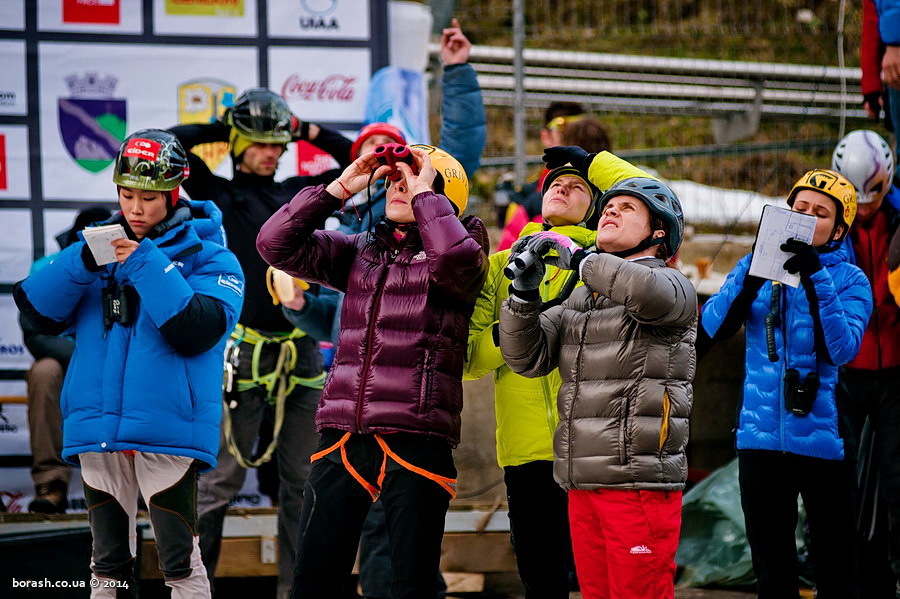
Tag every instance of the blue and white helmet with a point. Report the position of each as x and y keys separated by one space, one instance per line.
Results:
x=866 y=160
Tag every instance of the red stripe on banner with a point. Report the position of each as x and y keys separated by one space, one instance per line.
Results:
x=3 y=162
x=91 y=11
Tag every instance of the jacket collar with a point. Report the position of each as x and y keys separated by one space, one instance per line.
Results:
x=580 y=235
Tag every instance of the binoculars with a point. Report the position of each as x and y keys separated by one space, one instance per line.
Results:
x=120 y=304
x=393 y=154
x=800 y=395
x=519 y=264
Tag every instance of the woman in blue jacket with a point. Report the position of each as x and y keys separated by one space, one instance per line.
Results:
x=141 y=402
x=788 y=439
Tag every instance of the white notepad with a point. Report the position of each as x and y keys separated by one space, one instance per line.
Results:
x=777 y=225
x=99 y=240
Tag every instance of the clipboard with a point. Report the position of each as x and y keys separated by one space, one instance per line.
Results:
x=777 y=225
x=99 y=240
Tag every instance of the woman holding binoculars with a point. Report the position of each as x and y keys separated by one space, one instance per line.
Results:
x=389 y=416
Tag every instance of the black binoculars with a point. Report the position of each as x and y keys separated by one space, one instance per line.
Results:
x=119 y=304
x=799 y=396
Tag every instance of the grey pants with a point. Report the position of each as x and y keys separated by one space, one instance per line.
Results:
x=296 y=444
x=44 y=380
x=169 y=486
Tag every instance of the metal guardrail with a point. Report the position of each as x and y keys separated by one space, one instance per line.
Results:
x=653 y=154
x=663 y=85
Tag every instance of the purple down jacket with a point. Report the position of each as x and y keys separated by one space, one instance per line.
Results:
x=404 y=321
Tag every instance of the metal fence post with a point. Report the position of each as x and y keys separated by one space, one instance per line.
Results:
x=519 y=74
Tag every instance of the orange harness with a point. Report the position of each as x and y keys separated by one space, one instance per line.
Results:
x=448 y=484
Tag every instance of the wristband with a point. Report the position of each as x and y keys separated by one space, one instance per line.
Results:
x=347 y=191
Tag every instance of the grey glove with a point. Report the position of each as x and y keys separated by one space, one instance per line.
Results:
x=526 y=284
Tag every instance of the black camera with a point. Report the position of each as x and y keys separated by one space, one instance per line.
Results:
x=119 y=304
x=799 y=396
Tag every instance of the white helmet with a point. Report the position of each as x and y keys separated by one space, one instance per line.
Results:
x=867 y=161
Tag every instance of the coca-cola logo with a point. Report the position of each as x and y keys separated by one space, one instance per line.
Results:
x=142 y=148
x=333 y=88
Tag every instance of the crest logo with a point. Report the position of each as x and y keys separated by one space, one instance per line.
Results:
x=92 y=123
x=204 y=101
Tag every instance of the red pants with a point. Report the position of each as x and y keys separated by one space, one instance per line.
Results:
x=624 y=542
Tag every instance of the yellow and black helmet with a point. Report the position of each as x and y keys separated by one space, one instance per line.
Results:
x=834 y=185
x=451 y=179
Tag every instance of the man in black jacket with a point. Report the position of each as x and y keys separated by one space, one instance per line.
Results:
x=273 y=371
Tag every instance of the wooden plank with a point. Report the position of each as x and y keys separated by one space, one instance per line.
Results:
x=13 y=399
x=471 y=552
x=240 y=557
x=464 y=582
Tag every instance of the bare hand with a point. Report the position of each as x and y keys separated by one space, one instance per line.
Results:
x=890 y=67
x=455 y=46
x=299 y=298
x=356 y=177
x=424 y=181
x=124 y=248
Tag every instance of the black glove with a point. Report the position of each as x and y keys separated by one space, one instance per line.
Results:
x=225 y=119
x=805 y=259
x=894 y=252
x=872 y=101
x=577 y=157
x=88 y=258
x=299 y=129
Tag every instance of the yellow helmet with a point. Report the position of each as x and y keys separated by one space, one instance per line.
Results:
x=832 y=184
x=451 y=180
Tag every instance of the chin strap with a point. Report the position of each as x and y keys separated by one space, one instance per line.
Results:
x=649 y=242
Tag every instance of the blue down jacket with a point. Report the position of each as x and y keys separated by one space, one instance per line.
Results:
x=128 y=387
x=844 y=303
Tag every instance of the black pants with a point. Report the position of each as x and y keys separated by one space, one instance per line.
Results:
x=875 y=395
x=539 y=530
x=335 y=506
x=770 y=484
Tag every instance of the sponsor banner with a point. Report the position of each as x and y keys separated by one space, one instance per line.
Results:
x=15 y=258
x=13 y=354
x=14 y=428
x=322 y=84
x=293 y=162
x=90 y=104
x=3 y=167
x=206 y=8
x=13 y=15
x=204 y=101
x=13 y=94
x=312 y=161
x=105 y=16
x=319 y=19
x=187 y=17
x=91 y=11
x=15 y=178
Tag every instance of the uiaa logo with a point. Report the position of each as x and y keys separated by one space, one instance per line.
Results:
x=316 y=16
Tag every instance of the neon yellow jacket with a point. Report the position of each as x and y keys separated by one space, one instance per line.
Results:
x=526 y=408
